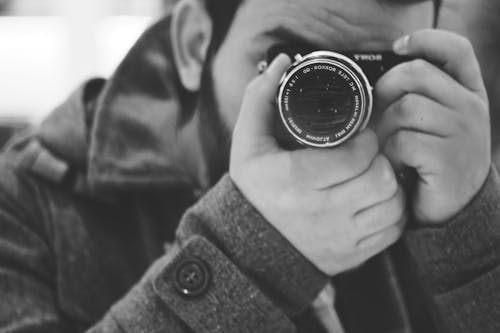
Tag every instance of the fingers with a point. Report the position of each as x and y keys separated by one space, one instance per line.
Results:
x=448 y=50
x=332 y=167
x=256 y=117
x=381 y=216
x=376 y=185
x=418 y=77
x=417 y=113
x=376 y=243
x=414 y=149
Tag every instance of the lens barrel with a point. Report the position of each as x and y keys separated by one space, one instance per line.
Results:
x=324 y=99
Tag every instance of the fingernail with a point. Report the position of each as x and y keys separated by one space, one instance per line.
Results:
x=279 y=64
x=400 y=46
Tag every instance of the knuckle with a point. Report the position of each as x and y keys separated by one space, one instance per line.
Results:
x=363 y=148
x=367 y=135
x=407 y=103
x=397 y=207
x=394 y=233
x=386 y=177
x=417 y=66
x=465 y=45
x=369 y=140
x=392 y=213
x=478 y=106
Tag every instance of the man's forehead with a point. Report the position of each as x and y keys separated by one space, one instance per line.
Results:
x=326 y=22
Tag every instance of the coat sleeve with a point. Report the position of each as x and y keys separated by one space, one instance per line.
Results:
x=229 y=271
x=459 y=264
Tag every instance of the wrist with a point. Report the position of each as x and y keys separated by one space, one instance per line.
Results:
x=450 y=255
x=231 y=223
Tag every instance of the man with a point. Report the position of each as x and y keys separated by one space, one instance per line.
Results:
x=264 y=237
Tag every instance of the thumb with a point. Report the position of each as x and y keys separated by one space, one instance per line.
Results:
x=254 y=127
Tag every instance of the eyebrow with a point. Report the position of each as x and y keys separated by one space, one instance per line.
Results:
x=288 y=36
x=287 y=41
x=437 y=7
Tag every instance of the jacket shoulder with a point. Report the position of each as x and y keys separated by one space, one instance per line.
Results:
x=20 y=193
x=86 y=241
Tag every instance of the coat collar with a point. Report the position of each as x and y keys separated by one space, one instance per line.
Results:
x=132 y=131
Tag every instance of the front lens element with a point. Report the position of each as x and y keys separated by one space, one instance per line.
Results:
x=322 y=102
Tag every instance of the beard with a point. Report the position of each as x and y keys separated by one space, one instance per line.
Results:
x=215 y=135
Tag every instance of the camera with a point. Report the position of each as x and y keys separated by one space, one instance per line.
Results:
x=325 y=98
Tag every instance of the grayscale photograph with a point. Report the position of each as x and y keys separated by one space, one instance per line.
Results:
x=249 y=166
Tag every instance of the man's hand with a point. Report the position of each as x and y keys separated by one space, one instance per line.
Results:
x=338 y=207
x=436 y=120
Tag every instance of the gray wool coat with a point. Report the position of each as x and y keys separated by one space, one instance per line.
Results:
x=112 y=219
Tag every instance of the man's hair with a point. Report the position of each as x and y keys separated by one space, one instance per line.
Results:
x=222 y=13
x=437 y=7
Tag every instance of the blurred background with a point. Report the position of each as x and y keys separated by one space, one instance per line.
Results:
x=48 y=47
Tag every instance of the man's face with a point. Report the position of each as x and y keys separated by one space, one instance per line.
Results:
x=334 y=25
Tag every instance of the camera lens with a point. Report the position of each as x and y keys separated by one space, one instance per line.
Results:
x=324 y=99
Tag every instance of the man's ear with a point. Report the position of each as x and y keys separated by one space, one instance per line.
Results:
x=191 y=33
